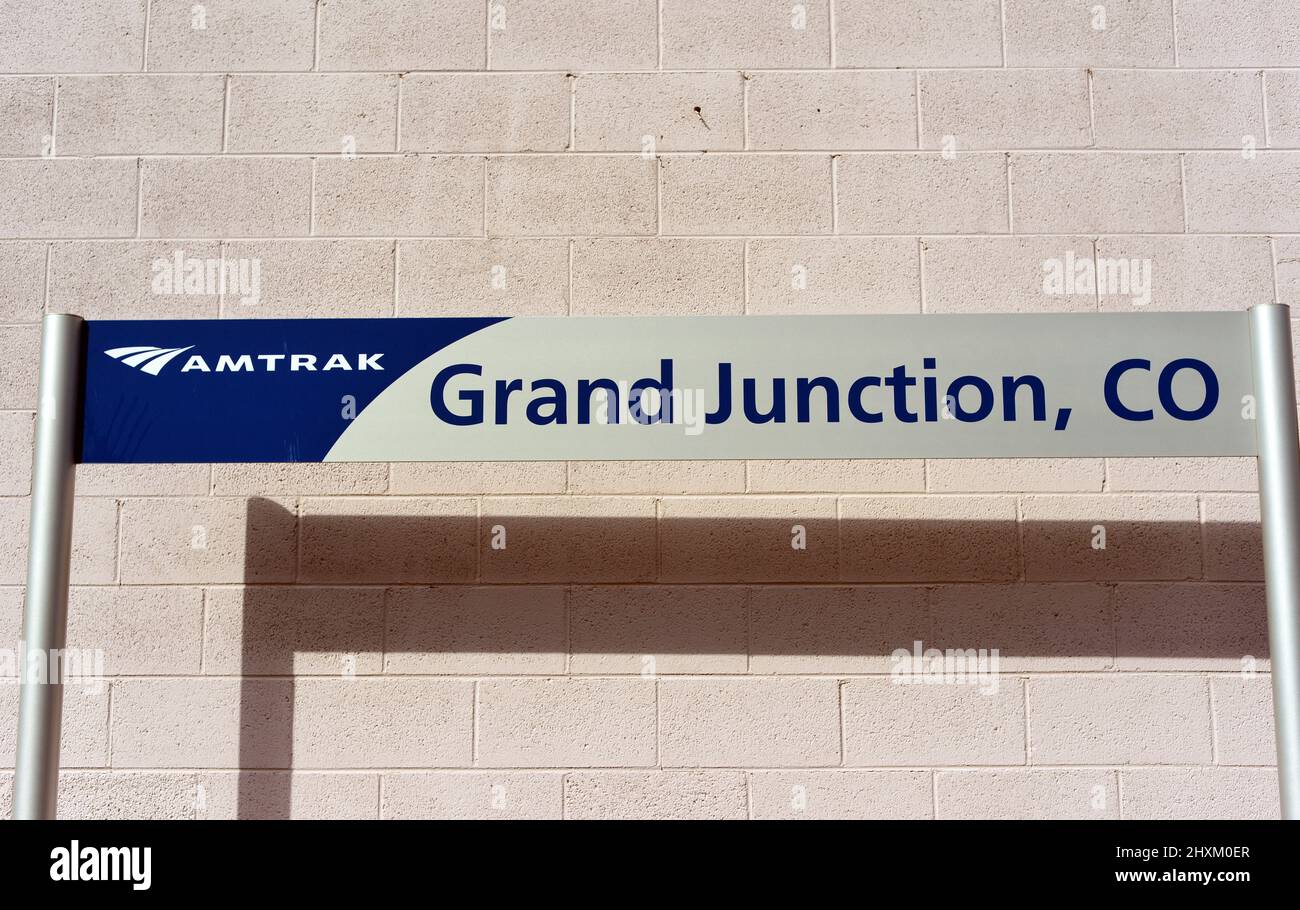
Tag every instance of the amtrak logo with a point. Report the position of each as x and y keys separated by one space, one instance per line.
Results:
x=147 y=358
x=151 y=359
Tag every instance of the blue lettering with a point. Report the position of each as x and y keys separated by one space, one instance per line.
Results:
x=1113 y=376
x=1166 y=388
x=986 y=398
x=437 y=396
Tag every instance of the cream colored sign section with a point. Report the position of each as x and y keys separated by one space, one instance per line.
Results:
x=954 y=386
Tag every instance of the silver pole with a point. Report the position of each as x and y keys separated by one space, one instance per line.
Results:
x=1279 y=501
x=49 y=549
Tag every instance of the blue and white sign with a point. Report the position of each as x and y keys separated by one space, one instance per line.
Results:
x=461 y=389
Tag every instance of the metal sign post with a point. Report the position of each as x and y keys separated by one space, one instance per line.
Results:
x=49 y=551
x=1279 y=504
x=637 y=388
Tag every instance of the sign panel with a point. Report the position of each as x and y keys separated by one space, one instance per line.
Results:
x=489 y=389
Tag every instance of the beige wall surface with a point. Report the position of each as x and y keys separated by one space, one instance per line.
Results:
x=351 y=640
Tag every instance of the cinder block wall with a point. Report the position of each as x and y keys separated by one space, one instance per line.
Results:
x=345 y=641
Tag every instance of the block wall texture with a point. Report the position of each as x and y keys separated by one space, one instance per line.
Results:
x=345 y=641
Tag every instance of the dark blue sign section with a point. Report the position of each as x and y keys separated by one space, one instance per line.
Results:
x=243 y=390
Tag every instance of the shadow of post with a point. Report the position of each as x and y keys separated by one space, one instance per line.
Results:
x=406 y=586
